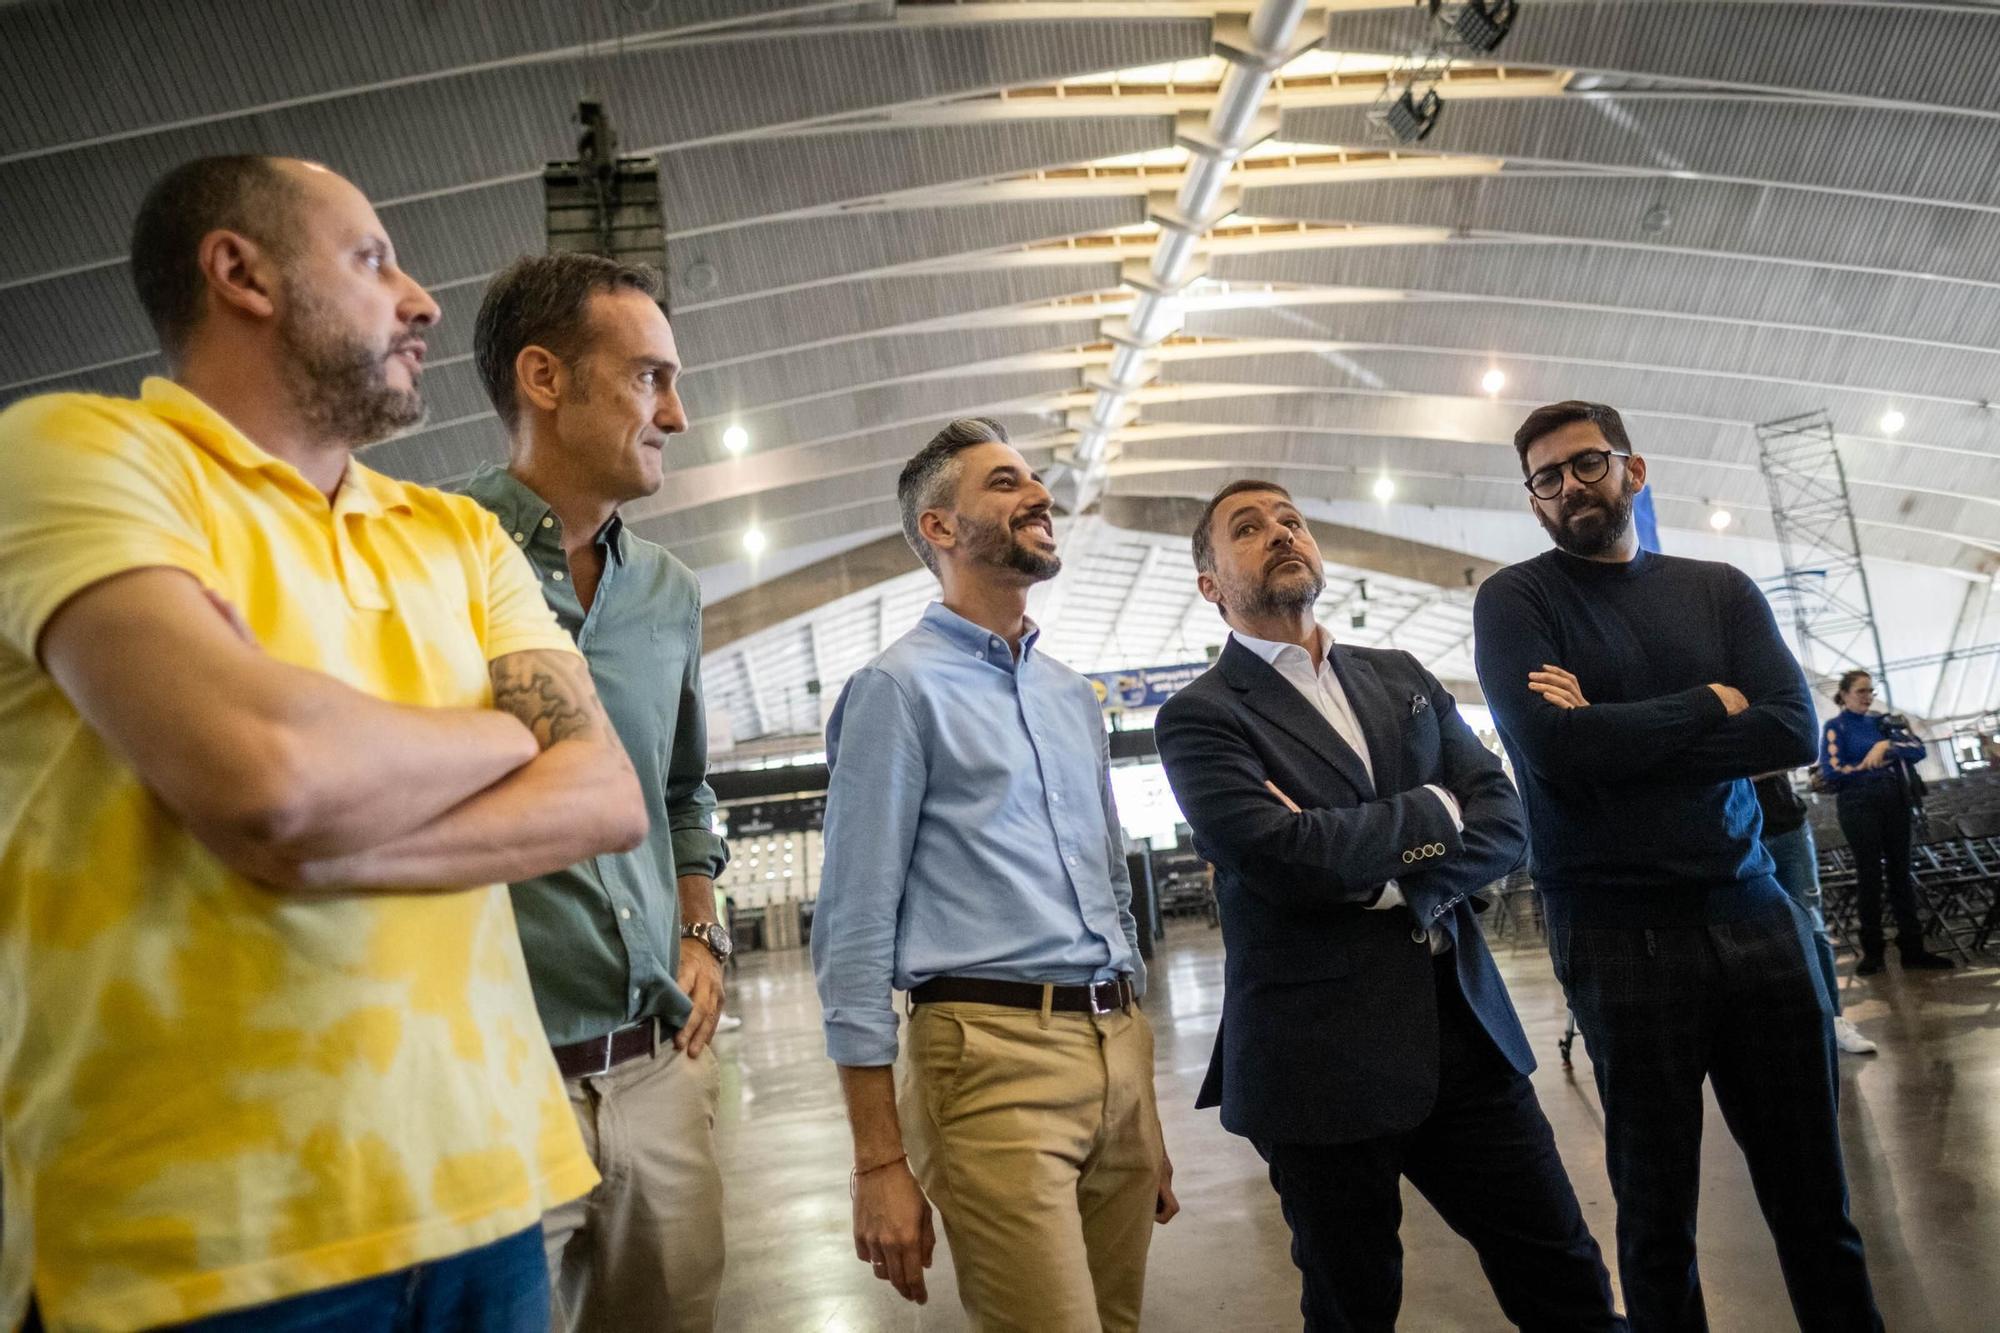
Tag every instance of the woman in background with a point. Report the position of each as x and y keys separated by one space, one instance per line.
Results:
x=1866 y=767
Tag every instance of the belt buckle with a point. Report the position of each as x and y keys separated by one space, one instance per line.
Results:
x=604 y=1063
x=1090 y=990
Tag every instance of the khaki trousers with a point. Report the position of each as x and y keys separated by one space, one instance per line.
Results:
x=1038 y=1140
x=643 y=1249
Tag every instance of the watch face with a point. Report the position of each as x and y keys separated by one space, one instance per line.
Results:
x=718 y=940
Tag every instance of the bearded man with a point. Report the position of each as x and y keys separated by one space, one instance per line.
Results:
x=1637 y=693
x=1366 y=1035
x=974 y=860
x=275 y=731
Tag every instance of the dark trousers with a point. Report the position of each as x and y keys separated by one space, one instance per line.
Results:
x=1485 y=1159
x=1876 y=820
x=1740 y=1003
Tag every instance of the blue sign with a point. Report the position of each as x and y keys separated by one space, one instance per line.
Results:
x=1142 y=687
x=1648 y=521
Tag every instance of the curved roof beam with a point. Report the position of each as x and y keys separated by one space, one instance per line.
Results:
x=664 y=97
x=93 y=318
x=1747 y=221
x=1890 y=371
x=1683 y=285
x=1392 y=369
x=1934 y=157
x=1885 y=53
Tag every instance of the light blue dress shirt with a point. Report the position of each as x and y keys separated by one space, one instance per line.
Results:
x=970 y=831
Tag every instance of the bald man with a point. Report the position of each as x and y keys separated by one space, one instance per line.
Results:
x=275 y=730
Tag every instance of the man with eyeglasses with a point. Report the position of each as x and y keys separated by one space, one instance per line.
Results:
x=1636 y=693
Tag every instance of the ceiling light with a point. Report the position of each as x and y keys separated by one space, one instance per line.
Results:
x=753 y=541
x=1720 y=518
x=1493 y=381
x=1484 y=24
x=736 y=439
x=1892 y=421
x=1385 y=489
x=1410 y=118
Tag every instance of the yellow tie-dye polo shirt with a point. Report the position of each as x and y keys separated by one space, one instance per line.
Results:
x=212 y=1095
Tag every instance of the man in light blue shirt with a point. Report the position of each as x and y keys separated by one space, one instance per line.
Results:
x=974 y=859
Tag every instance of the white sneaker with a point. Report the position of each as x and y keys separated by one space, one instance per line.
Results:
x=1849 y=1038
x=730 y=1022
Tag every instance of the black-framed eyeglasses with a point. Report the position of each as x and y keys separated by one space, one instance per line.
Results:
x=1586 y=467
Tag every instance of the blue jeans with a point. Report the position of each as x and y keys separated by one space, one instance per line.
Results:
x=1798 y=875
x=497 y=1288
x=1734 y=1000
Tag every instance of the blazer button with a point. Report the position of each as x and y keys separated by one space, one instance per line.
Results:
x=1420 y=936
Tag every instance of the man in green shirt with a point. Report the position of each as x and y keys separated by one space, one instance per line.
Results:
x=623 y=950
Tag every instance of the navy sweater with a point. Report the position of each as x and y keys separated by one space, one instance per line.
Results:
x=1847 y=740
x=1638 y=802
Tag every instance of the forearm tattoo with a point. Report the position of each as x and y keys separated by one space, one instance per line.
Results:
x=550 y=693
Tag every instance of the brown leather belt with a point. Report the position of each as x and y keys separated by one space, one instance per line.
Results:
x=600 y=1055
x=1102 y=997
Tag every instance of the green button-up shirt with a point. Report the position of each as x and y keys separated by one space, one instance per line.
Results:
x=602 y=938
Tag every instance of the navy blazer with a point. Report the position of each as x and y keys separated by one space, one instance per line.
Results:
x=1329 y=1010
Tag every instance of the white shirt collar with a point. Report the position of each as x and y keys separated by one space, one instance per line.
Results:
x=1271 y=651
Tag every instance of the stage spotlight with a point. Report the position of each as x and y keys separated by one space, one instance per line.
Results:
x=1484 y=24
x=1410 y=118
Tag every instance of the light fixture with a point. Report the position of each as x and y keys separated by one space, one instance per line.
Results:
x=1493 y=381
x=1892 y=421
x=1411 y=118
x=736 y=439
x=1720 y=518
x=1484 y=24
x=753 y=541
x=1385 y=489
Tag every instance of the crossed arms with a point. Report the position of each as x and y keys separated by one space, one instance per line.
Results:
x=1349 y=852
x=309 y=786
x=1760 y=719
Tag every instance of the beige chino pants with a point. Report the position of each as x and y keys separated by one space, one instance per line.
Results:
x=644 y=1249
x=1039 y=1142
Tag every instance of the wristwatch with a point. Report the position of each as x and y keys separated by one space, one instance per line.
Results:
x=713 y=935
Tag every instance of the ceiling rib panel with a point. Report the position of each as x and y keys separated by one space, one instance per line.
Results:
x=1926 y=55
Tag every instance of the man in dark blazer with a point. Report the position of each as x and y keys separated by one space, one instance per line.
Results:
x=1351 y=816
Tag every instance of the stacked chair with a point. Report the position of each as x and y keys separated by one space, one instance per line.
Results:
x=1955 y=859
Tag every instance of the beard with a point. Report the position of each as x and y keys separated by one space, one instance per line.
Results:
x=1282 y=592
x=997 y=544
x=340 y=382
x=1585 y=525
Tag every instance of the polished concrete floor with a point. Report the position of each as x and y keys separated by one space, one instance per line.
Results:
x=1921 y=1121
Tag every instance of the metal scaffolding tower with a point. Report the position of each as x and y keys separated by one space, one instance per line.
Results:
x=1824 y=582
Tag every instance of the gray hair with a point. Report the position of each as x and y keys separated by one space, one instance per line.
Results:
x=930 y=479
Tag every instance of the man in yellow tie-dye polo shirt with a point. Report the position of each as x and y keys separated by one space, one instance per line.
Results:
x=275 y=730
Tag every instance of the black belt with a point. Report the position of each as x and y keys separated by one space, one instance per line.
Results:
x=600 y=1055
x=1101 y=997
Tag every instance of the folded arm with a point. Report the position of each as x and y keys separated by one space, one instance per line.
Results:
x=266 y=763
x=1496 y=827
x=1777 y=730
x=1602 y=741
x=1353 y=851
x=577 y=798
